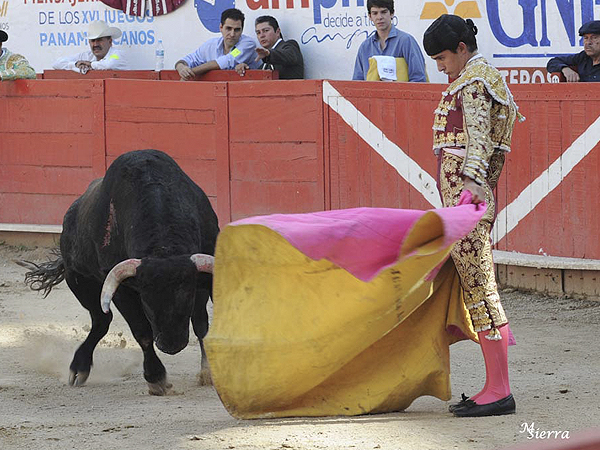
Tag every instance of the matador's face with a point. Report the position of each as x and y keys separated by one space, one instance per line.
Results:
x=453 y=62
x=448 y=63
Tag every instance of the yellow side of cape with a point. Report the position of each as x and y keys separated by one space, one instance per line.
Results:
x=296 y=337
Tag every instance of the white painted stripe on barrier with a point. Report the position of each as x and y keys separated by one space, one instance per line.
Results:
x=546 y=182
x=373 y=136
x=513 y=213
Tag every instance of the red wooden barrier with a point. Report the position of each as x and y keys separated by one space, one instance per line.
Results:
x=276 y=145
x=51 y=146
x=565 y=222
x=404 y=114
x=293 y=146
x=224 y=75
x=186 y=120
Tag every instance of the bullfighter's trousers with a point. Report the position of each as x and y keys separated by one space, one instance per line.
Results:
x=472 y=255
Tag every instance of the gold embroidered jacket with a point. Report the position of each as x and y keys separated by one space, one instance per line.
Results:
x=14 y=66
x=477 y=112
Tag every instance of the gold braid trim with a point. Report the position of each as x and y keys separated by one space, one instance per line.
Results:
x=472 y=255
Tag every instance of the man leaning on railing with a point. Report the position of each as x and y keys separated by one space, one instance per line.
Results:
x=585 y=65
x=102 y=55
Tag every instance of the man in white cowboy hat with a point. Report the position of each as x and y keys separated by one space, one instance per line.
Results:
x=101 y=56
x=12 y=65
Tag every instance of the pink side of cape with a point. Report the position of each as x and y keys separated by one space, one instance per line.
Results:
x=363 y=241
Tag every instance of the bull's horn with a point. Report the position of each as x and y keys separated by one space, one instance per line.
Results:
x=124 y=269
x=204 y=263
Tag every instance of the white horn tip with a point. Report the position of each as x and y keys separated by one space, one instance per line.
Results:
x=105 y=303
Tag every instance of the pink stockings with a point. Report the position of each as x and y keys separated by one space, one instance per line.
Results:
x=495 y=354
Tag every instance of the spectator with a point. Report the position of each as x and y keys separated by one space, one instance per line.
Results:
x=12 y=65
x=224 y=52
x=389 y=54
x=275 y=53
x=587 y=62
x=101 y=56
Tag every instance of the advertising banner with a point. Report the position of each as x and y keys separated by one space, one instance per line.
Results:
x=512 y=33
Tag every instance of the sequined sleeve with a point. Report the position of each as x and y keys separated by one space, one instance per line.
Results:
x=17 y=67
x=477 y=106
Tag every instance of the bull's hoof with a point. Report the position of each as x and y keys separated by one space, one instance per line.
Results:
x=159 y=388
x=78 y=378
x=204 y=378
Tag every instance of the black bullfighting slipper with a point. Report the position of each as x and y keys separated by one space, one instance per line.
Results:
x=463 y=402
x=503 y=406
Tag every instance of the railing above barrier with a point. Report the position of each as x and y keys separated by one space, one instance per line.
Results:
x=173 y=75
x=100 y=74
x=225 y=75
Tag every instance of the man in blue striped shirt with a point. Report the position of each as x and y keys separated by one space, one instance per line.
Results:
x=223 y=52
x=388 y=41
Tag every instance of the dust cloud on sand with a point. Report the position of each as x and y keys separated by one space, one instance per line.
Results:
x=554 y=376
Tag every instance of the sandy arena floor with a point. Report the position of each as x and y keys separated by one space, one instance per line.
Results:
x=554 y=375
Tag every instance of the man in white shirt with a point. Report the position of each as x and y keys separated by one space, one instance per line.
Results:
x=101 y=56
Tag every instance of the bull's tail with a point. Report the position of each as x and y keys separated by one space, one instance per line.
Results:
x=45 y=276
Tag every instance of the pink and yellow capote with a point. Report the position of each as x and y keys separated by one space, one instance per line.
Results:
x=340 y=312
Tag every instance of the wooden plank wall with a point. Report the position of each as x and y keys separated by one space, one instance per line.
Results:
x=186 y=120
x=51 y=147
x=359 y=175
x=276 y=145
x=565 y=223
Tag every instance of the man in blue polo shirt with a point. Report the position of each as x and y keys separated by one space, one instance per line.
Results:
x=587 y=62
x=389 y=54
x=223 y=52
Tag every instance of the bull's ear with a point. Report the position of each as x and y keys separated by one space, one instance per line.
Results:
x=121 y=271
x=204 y=263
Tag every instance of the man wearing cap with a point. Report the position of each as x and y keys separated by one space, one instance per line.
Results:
x=102 y=54
x=224 y=52
x=12 y=65
x=587 y=62
x=472 y=131
x=389 y=54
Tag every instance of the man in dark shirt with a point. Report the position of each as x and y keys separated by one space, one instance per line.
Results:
x=587 y=62
x=275 y=53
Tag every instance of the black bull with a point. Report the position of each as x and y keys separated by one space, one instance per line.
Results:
x=142 y=237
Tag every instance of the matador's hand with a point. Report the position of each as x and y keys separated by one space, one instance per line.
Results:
x=477 y=191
